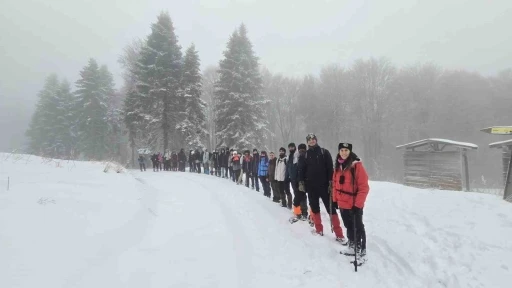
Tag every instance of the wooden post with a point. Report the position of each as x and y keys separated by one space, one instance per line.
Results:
x=466 y=168
x=507 y=193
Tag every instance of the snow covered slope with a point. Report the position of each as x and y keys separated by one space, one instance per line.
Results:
x=69 y=224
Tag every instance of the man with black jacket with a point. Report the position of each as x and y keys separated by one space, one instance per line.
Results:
x=315 y=177
x=255 y=166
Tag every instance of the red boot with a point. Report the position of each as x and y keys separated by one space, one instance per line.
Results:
x=317 y=219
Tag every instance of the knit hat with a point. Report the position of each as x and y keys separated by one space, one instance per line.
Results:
x=302 y=146
x=311 y=136
x=345 y=145
x=291 y=145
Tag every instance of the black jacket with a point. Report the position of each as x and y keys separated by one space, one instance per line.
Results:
x=316 y=167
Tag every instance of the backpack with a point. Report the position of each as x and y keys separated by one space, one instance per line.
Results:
x=322 y=151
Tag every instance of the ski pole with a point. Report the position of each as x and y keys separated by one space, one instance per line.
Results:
x=355 y=242
x=330 y=210
x=354 y=215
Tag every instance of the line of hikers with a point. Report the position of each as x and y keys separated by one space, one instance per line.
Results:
x=310 y=172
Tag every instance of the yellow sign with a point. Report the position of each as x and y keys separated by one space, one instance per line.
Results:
x=501 y=130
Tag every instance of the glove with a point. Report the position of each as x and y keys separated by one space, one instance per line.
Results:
x=330 y=187
x=301 y=186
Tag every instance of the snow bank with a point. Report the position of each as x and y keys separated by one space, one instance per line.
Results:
x=72 y=225
x=60 y=217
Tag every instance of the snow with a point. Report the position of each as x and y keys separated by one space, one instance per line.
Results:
x=500 y=143
x=444 y=141
x=69 y=224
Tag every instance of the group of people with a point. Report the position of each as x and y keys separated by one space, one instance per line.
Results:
x=168 y=161
x=341 y=184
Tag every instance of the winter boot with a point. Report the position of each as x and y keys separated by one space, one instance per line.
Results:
x=349 y=249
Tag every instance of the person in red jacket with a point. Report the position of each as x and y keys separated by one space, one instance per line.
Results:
x=350 y=189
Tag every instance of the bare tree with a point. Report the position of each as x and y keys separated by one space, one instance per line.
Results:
x=371 y=82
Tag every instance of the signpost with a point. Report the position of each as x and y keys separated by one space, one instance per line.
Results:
x=498 y=130
x=503 y=130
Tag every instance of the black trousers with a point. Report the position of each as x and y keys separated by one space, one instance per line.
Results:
x=317 y=192
x=348 y=219
x=266 y=185
x=255 y=181
x=286 y=196
x=142 y=166
x=300 y=198
x=236 y=175
x=198 y=167
x=247 y=177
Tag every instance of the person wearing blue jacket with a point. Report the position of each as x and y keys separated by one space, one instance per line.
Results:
x=263 y=173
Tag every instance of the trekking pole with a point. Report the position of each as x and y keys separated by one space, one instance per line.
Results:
x=355 y=237
x=330 y=210
x=354 y=219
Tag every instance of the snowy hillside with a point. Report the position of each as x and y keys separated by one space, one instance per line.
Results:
x=69 y=224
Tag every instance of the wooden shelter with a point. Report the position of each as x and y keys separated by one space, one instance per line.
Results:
x=506 y=147
x=437 y=163
x=506 y=153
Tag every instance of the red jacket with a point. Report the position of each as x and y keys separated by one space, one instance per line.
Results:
x=343 y=193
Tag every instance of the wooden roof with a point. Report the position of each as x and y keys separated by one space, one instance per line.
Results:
x=447 y=142
x=500 y=144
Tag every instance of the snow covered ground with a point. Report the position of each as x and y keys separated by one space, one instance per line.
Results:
x=69 y=224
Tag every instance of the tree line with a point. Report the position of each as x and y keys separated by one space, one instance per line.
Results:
x=167 y=103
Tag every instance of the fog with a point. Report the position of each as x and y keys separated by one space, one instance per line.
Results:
x=294 y=38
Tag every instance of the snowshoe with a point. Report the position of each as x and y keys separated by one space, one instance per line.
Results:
x=310 y=221
x=296 y=218
x=342 y=241
x=361 y=258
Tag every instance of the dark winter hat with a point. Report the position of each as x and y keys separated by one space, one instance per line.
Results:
x=303 y=146
x=311 y=136
x=263 y=152
x=291 y=145
x=282 y=149
x=247 y=152
x=345 y=145
x=254 y=150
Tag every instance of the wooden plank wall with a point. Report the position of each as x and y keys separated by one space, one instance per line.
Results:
x=505 y=158
x=438 y=170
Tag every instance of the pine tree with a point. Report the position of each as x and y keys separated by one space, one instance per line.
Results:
x=50 y=129
x=193 y=125
x=91 y=112
x=131 y=112
x=159 y=78
x=113 y=116
x=41 y=132
x=240 y=119
x=63 y=120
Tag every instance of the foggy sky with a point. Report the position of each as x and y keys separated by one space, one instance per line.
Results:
x=38 y=37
